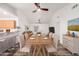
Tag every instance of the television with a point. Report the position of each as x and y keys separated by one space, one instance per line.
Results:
x=52 y=29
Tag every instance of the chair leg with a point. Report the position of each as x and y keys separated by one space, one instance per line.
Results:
x=28 y=53
x=56 y=53
x=48 y=54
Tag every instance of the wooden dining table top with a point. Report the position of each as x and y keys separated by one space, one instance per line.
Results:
x=35 y=39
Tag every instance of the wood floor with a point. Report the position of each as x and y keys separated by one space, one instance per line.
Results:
x=15 y=52
x=61 y=52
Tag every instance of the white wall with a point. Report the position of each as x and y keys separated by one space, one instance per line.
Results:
x=44 y=28
x=22 y=20
x=8 y=8
x=60 y=18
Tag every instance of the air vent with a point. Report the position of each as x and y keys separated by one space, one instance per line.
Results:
x=74 y=6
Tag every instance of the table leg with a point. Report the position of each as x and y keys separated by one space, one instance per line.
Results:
x=39 y=50
x=43 y=49
x=34 y=51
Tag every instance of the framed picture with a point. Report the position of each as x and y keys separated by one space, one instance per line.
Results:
x=73 y=25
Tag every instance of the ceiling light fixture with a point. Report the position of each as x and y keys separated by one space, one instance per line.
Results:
x=39 y=10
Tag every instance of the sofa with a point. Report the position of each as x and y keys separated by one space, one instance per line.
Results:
x=7 y=40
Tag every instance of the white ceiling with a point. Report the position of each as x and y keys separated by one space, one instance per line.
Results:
x=45 y=17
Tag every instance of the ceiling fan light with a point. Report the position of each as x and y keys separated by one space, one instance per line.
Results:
x=39 y=10
x=34 y=11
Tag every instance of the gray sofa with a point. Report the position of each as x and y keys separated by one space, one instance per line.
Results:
x=7 y=40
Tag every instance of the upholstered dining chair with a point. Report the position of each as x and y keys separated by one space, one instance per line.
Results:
x=23 y=46
x=26 y=36
x=50 y=35
x=54 y=47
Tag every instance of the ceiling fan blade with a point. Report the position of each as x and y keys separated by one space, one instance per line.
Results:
x=45 y=9
x=34 y=11
x=37 y=5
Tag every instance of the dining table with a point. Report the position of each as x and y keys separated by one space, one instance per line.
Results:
x=38 y=44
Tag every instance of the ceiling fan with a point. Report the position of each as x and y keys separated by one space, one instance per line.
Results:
x=39 y=8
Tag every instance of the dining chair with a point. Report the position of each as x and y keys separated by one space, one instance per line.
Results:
x=54 y=47
x=26 y=36
x=23 y=46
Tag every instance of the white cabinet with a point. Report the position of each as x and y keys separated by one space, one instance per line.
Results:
x=71 y=43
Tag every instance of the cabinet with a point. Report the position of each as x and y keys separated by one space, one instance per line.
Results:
x=71 y=43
